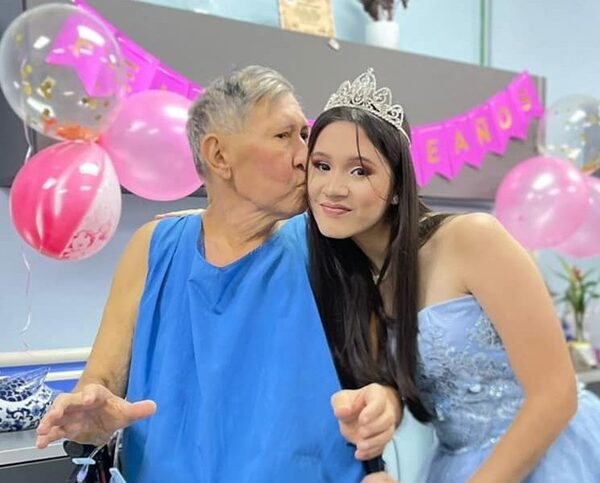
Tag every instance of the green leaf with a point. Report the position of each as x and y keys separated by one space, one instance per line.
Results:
x=563 y=276
x=565 y=265
x=588 y=272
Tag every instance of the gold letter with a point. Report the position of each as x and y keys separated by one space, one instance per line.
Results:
x=483 y=130
x=524 y=100
x=431 y=146
x=504 y=118
x=460 y=143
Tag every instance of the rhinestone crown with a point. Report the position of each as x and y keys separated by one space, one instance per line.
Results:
x=363 y=94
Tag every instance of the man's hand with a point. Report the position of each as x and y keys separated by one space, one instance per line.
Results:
x=90 y=416
x=368 y=417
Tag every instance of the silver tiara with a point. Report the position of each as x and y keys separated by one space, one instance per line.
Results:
x=363 y=94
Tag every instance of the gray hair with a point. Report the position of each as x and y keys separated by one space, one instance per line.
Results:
x=226 y=103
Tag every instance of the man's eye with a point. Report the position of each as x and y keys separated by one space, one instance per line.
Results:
x=283 y=135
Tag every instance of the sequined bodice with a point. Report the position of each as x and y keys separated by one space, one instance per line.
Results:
x=464 y=375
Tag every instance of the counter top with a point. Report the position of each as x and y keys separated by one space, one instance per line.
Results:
x=19 y=447
x=590 y=376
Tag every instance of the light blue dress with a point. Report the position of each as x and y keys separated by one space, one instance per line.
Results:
x=237 y=360
x=467 y=383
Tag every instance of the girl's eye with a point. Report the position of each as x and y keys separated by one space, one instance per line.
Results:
x=359 y=172
x=320 y=166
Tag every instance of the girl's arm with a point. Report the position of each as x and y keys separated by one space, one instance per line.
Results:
x=504 y=279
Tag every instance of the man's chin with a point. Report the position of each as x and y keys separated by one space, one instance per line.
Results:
x=292 y=207
x=299 y=206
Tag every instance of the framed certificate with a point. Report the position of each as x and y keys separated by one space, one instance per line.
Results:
x=308 y=16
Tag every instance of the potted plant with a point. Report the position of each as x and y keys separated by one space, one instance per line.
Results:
x=383 y=31
x=581 y=289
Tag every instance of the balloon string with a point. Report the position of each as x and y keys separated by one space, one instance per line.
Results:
x=23 y=254
x=27 y=298
x=29 y=146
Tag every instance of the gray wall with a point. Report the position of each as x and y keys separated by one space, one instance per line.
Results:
x=65 y=299
x=12 y=131
x=202 y=47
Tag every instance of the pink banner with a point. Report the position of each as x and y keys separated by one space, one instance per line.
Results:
x=485 y=128
x=462 y=143
x=524 y=94
x=195 y=91
x=419 y=175
x=509 y=119
x=141 y=66
x=440 y=148
x=434 y=157
x=168 y=79
x=80 y=49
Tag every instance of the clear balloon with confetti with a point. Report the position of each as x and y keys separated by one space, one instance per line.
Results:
x=62 y=71
x=570 y=129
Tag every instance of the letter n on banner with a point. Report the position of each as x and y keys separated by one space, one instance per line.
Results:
x=483 y=125
x=462 y=143
x=429 y=144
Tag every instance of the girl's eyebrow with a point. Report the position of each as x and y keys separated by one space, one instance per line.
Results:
x=353 y=159
x=361 y=159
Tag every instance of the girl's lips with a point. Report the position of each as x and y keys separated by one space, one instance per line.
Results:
x=333 y=209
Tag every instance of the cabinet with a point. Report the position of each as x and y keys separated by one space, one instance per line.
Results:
x=21 y=462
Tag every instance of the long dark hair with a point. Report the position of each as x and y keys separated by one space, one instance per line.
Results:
x=368 y=344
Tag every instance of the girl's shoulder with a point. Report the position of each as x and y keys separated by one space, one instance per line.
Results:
x=460 y=235
x=456 y=247
x=465 y=226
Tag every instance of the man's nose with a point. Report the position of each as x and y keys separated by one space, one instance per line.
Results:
x=301 y=155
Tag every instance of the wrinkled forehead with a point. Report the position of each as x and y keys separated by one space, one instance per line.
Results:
x=282 y=110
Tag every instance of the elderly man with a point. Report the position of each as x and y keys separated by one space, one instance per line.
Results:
x=211 y=319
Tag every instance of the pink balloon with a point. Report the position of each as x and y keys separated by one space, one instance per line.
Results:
x=148 y=145
x=585 y=242
x=66 y=201
x=542 y=201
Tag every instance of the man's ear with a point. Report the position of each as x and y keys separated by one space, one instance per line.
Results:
x=211 y=149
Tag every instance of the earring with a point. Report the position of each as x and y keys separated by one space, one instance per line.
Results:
x=394 y=200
